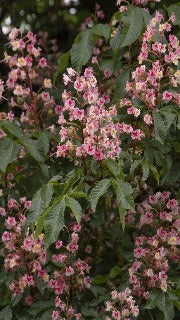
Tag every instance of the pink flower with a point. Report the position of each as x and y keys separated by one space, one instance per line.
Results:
x=76 y=227
x=29 y=280
x=55 y=315
x=116 y=315
x=10 y=222
x=87 y=282
x=2 y=212
x=139 y=252
x=107 y=73
x=58 y=244
x=167 y=96
x=43 y=62
x=100 y=14
x=148 y=119
x=69 y=271
x=153 y=199
x=6 y=236
x=29 y=300
x=45 y=96
x=172 y=204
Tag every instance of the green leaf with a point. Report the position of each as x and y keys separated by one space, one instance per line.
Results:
x=107 y=64
x=162 y=124
x=115 y=42
x=124 y=198
x=12 y=128
x=162 y=302
x=120 y=83
x=89 y=312
x=112 y=166
x=176 y=146
x=146 y=16
x=54 y=221
x=39 y=306
x=8 y=152
x=124 y=194
x=99 y=279
x=160 y=130
x=177 y=304
x=43 y=141
x=33 y=147
x=115 y=271
x=169 y=119
x=62 y=64
x=75 y=207
x=40 y=222
x=134 y=166
x=78 y=194
x=82 y=51
x=156 y=174
x=73 y=177
x=166 y=306
x=102 y=30
x=122 y=214
x=133 y=24
x=63 y=61
x=98 y=191
x=40 y=202
x=145 y=169
x=6 y=313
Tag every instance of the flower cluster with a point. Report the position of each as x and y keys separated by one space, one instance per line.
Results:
x=90 y=128
x=122 y=306
x=71 y=276
x=154 y=82
x=26 y=258
x=157 y=245
x=26 y=64
x=27 y=255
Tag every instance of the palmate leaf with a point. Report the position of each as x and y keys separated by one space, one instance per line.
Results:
x=63 y=61
x=32 y=147
x=40 y=306
x=75 y=208
x=124 y=198
x=115 y=42
x=43 y=141
x=8 y=152
x=98 y=191
x=160 y=129
x=166 y=306
x=81 y=51
x=112 y=166
x=40 y=202
x=12 y=128
x=145 y=169
x=162 y=124
x=102 y=30
x=54 y=221
x=120 y=83
x=133 y=24
x=162 y=301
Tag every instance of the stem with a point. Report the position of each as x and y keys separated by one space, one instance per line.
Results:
x=84 y=158
x=85 y=166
